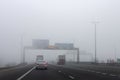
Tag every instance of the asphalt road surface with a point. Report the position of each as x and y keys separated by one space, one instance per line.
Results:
x=28 y=72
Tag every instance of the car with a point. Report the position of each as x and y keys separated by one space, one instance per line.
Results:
x=41 y=65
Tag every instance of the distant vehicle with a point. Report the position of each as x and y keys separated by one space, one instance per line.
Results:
x=39 y=57
x=41 y=65
x=61 y=60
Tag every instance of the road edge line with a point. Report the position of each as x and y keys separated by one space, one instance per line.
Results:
x=25 y=74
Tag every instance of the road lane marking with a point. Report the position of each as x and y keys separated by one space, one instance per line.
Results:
x=112 y=75
x=88 y=70
x=71 y=77
x=59 y=71
x=98 y=72
x=64 y=73
x=104 y=73
x=91 y=71
x=26 y=73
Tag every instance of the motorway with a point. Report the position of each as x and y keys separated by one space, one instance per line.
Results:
x=54 y=72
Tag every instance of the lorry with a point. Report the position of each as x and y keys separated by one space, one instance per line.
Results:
x=61 y=60
x=39 y=57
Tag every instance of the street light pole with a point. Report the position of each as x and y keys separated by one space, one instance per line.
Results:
x=95 y=36
x=21 y=48
x=78 y=54
x=95 y=45
x=23 y=54
x=115 y=53
x=22 y=51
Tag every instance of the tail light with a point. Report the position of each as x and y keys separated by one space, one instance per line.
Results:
x=45 y=63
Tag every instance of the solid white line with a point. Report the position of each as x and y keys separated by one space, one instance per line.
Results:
x=25 y=73
x=71 y=77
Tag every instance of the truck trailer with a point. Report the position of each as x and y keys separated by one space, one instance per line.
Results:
x=61 y=60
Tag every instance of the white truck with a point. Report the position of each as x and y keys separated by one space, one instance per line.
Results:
x=39 y=57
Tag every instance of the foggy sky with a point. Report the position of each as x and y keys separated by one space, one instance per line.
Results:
x=60 y=21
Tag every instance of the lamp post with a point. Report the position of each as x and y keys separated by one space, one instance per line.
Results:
x=95 y=45
x=95 y=38
x=22 y=51
x=78 y=54
x=115 y=53
x=23 y=54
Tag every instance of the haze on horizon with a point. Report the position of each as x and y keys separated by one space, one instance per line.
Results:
x=65 y=21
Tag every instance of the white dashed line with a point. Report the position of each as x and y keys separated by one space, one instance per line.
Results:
x=88 y=70
x=59 y=71
x=112 y=75
x=104 y=73
x=25 y=74
x=98 y=72
x=71 y=77
x=92 y=71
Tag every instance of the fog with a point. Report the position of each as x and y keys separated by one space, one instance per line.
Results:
x=65 y=21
